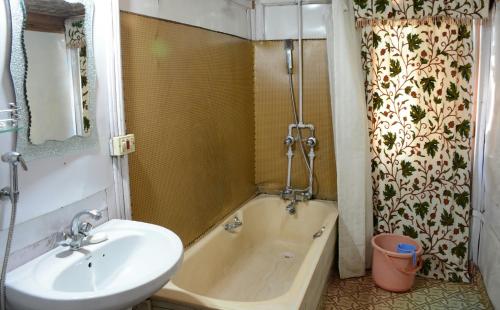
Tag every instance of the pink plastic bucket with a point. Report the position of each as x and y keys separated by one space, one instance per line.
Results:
x=394 y=271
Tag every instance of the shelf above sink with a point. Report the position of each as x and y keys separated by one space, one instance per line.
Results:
x=135 y=262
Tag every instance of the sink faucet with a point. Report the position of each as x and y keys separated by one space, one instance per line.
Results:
x=80 y=230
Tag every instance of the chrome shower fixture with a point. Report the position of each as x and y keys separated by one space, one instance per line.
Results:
x=13 y=159
x=289 y=140
x=311 y=141
x=288 y=53
x=298 y=124
x=10 y=192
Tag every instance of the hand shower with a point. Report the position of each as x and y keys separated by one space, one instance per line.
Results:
x=288 y=54
x=13 y=159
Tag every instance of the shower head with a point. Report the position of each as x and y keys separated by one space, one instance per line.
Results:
x=288 y=55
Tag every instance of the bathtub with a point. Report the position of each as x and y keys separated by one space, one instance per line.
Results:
x=272 y=261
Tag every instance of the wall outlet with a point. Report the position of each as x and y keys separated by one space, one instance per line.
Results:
x=122 y=145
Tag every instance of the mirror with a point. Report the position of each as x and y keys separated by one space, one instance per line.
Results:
x=56 y=82
x=53 y=72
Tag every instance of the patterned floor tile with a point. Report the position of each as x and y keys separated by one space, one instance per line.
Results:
x=427 y=294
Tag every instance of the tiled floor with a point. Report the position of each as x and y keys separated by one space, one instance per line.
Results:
x=361 y=293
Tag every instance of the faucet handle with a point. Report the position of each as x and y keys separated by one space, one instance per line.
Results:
x=96 y=214
x=65 y=240
x=85 y=228
x=289 y=140
x=311 y=141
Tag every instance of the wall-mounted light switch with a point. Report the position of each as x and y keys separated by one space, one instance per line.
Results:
x=122 y=145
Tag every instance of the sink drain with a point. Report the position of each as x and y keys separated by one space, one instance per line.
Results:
x=287 y=255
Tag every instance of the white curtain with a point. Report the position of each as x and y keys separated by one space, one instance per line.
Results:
x=486 y=225
x=352 y=148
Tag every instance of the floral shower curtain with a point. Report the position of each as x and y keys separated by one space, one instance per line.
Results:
x=75 y=32
x=419 y=11
x=418 y=57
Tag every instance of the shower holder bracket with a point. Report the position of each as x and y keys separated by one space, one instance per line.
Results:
x=5 y=193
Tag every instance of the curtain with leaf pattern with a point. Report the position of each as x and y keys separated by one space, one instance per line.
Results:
x=75 y=32
x=419 y=100
x=461 y=11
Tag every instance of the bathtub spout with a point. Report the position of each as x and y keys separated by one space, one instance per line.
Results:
x=291 y=208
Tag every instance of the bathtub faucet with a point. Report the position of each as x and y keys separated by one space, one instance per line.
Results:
x=231 y=226
x=294 y=196
x=291 y=208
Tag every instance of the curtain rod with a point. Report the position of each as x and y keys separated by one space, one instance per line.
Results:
x=292 y=2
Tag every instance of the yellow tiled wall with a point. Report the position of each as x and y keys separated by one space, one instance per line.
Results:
x=210 y=112
x=273 y=113
x=189 y=101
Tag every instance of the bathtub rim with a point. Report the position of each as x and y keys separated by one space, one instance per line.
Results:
x=171 y=293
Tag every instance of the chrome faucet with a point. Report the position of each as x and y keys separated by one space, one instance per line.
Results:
x=291 y=208
x=294 y=196
x=233 y=225
x=80 y=230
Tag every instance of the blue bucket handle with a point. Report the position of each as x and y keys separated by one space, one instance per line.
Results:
x=405 y=248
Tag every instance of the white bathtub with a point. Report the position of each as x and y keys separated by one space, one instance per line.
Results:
x=271 y=262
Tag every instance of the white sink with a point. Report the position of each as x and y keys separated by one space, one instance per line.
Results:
x=135 y=262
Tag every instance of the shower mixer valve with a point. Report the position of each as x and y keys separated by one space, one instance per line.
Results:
x=311 y=141
x=289 y=140
x=295 y=195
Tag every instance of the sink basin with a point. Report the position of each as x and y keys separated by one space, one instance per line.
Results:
x=135 y=262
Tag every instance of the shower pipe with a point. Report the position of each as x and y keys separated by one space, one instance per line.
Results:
x=301 y=94
x=311 y=156
x=298 y=121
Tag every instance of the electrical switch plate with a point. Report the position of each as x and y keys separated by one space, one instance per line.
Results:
x=122 y=145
